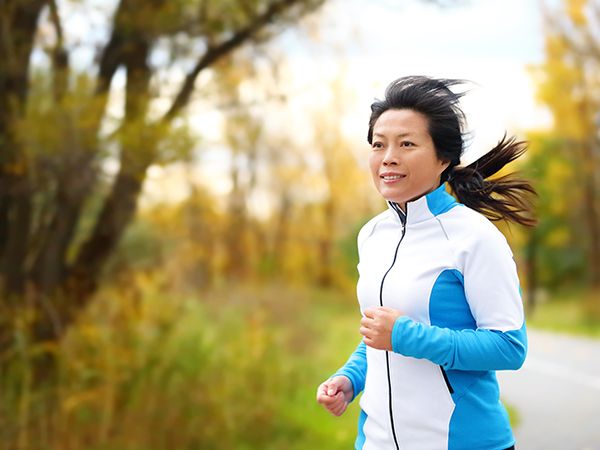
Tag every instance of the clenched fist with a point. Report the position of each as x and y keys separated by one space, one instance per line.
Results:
x=335 y=394
x=376 y=326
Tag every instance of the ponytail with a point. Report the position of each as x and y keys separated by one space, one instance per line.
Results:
x=504 y=198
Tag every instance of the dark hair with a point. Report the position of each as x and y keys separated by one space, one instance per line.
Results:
x=503 y=198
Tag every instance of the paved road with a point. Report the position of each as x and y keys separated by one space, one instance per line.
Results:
x=556 y=393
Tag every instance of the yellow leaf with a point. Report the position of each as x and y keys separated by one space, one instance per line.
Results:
x=576 y=11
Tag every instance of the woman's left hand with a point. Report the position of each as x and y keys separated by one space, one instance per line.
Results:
x=376 y=326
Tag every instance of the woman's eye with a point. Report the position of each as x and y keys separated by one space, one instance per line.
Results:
x=406 y=144
x=377 y=145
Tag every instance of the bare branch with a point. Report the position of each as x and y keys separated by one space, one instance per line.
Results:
x=60 y=57
x=215 y=52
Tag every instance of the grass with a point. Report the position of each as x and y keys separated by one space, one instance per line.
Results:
x=338 y=336
x=513 y=415
x=575 y=312
x=231 y=369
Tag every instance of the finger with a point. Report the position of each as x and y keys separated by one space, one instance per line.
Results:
x=366 y=321
x=335 y=408
x=365 y=331
x=333 y=386
x=368 y=341
x=322 y=389
x=386 y=309
x=391 y=312
x=337 y=384
x=374 y=343
x=325 y=400
x=339 y=409
x=322 y=397
x=331 y=403
x=370 y=312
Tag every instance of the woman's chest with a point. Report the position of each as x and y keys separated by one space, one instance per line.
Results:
x=400 y=271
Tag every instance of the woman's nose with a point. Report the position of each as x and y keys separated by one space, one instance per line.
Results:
x=390 y=157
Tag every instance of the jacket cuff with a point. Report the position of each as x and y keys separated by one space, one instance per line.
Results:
x=400 y=323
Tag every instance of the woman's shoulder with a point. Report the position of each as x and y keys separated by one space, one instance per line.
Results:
x=468 y=225
x=369 y=227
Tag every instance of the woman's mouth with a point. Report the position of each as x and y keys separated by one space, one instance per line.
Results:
x=390 y=178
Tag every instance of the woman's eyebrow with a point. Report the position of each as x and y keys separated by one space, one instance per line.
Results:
x=408 y=133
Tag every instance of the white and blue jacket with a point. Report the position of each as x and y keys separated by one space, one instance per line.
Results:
x=450 y=271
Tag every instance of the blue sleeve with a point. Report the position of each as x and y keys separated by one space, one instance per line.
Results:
x=480 y=349
x=355 y=369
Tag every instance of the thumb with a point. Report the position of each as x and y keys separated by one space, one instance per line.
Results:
x=334 y=385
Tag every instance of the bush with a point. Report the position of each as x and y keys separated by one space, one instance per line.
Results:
x=146 y=369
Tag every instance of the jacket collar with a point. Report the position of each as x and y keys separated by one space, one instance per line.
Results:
x=425 y=207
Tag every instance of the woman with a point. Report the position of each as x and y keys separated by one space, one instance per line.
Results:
x=438 y=286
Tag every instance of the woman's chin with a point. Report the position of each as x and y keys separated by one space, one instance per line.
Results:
x=392 y=196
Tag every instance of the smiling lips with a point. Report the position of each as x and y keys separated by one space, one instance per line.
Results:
x=389 y=177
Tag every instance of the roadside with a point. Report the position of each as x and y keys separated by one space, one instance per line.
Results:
x=556 y=393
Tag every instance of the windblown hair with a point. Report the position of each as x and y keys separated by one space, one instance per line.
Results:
x=503 y=198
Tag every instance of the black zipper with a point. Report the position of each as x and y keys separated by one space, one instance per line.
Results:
x=448 y=385
x=403 y=216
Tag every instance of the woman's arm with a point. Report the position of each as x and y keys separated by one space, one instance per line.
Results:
x=480 y=349
x=355 y=369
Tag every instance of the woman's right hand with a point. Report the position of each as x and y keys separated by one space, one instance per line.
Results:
x=335 y=394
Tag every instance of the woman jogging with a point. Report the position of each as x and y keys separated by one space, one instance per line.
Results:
x=438 y=287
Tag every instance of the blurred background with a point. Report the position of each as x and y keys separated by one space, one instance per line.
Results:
x=182 y=182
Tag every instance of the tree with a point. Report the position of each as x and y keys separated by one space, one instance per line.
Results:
x=569 y=85
x=46 y=187
x=553 y=253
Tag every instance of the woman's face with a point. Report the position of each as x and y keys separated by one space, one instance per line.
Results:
x=403 y=160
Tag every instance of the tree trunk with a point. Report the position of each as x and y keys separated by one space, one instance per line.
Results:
x=119 y=207
x=118 y=210
x=49 y=268
x=591 y=211
x=18 y=237
x=587 y=111
x=78 y=176
x=325 y=275
x=531 y=264
x=19 y=22
x=237 y=257
x=282 y=228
